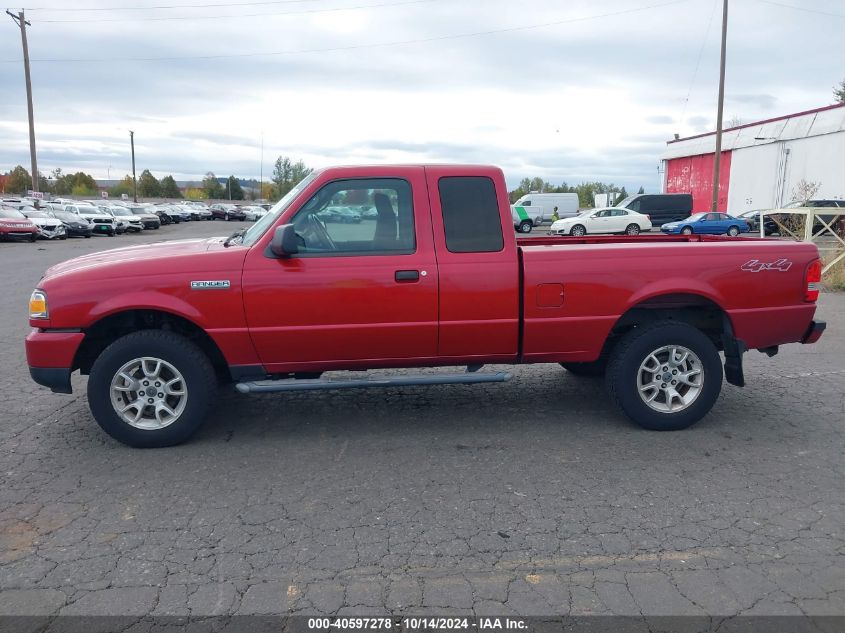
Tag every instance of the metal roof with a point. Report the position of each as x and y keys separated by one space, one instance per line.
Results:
x=826 y=120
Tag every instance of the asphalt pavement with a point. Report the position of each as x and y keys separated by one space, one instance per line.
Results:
x=531 y=497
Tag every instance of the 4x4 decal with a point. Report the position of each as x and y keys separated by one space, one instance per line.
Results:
x=755 y=266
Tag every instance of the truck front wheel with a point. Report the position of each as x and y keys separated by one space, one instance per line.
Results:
x=525 y=226
x=665 y=376
x=151 y=389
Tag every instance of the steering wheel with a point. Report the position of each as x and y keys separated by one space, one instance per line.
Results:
x=314 y=234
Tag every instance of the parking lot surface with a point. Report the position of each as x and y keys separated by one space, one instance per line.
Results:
x=532 y=497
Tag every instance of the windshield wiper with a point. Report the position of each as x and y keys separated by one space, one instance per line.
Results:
x=234 y=236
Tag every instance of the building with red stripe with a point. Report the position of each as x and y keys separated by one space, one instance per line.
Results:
x=762 y=162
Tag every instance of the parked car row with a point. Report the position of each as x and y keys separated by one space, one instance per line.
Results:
x=60 y=218
x=629 y=218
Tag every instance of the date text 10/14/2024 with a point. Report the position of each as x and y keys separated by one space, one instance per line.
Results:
x=417 y=624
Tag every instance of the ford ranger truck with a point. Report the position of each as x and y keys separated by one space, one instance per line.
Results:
x=435 y=278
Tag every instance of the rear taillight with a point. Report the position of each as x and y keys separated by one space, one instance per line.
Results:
x=814 y=278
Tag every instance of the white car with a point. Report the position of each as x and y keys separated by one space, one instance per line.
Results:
x=103 y=223
x=253 y=213
x=604 y=220
x=49 y=228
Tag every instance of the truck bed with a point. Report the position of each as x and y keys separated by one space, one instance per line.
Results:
x=576 y=288
x=558 y=240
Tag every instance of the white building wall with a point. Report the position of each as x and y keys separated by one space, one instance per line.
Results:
x=764 y=176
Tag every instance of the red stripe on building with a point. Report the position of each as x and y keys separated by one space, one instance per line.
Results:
x=694 y=174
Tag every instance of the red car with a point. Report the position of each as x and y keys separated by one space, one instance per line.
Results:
x=14 y=224
x=437 y=278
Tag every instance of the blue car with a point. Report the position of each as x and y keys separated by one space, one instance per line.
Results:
x=708 y=224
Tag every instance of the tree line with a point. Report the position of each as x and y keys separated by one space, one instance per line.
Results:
x=586 y=190
x=286 y=175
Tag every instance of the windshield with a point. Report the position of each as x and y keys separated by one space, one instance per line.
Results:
x=695 y=217
x=32 y=213
x=626 y=201
x=66 y=217
x=257 y=230
x=11 y=213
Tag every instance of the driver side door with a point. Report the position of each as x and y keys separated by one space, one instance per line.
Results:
x=362 y=290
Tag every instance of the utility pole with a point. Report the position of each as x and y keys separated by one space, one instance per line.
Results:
x=261 y=171
x=134 y=182
x=22 y=23
x=717 y=158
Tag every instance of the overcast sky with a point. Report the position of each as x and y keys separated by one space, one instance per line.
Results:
x=567 y=90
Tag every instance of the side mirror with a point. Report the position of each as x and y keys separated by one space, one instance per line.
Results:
x=284 y=242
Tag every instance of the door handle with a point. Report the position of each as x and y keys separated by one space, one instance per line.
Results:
x=407 y=275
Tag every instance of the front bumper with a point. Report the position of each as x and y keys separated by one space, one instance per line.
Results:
x=79 y=232
x=24 y=234
x=814 y=332
x=50 y=356
x=51 y=233
x=56 y=378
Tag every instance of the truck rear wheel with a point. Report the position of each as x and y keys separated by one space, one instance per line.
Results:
x=151 y=389
x=665 y=376
x=525 y=226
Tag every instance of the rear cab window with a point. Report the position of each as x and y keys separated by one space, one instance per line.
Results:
x=471 y=219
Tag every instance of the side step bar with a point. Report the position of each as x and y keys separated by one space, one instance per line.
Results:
x=263 y=386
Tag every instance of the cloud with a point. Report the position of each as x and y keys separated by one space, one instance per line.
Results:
x=584 y=100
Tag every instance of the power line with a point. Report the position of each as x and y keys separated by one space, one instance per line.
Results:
x=230 y=16
x=423 y=40
x=804 y=9
x=698 y=61
x=173 y=6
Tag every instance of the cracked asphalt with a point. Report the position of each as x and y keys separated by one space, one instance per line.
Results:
x=533 y=497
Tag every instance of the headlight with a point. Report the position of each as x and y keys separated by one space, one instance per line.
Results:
x=38 y=305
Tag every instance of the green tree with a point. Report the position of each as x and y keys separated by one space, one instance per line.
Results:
x=287 y=174
x=148 y=185
x=641 y=190
x=169 y=188
x=123 y=187
x=839 y=92
x=18 y=181
x=213 y=189
x=195 y=193
x=233 y=189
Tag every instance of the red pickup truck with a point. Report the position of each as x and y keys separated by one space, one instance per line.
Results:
x=431 y=276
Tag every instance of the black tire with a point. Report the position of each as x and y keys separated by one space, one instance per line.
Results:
x=593 y=369
x=733 y=231
x=185 y=356
x=633 y=348
x=632 y=229
x=579 y=230
x=687 y=230
x=525 y=226
x=63 y=237
x=33 y=237
x=87 y=237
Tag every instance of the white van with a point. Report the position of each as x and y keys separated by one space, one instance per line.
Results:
x=540 y=206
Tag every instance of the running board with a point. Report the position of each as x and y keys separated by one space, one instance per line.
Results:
x=263 y=386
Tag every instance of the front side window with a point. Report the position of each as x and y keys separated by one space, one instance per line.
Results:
x=368 y=216
x=471 y=217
